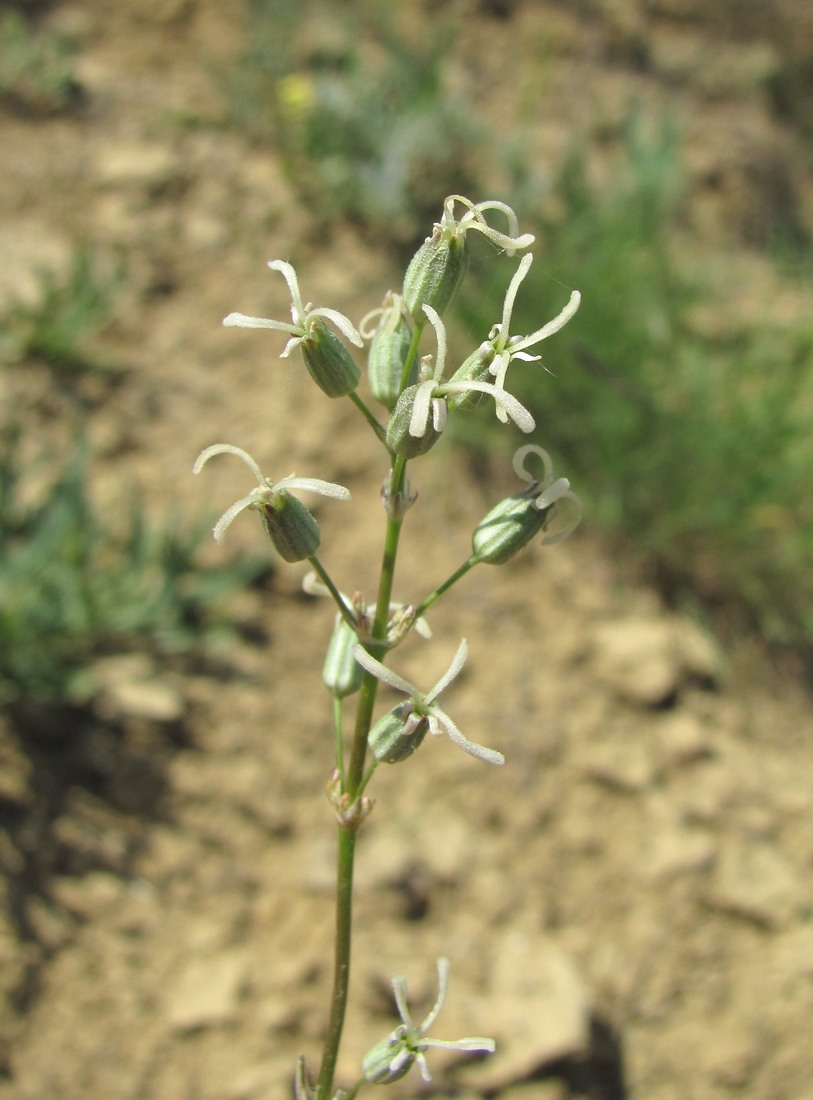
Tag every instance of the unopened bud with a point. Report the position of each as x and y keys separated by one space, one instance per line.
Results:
x=508 y=527
x=329 y=363
x=399 y=438
x=388 y=354
x=389 y=740
x=290 y=526
x=473 y=369
x=388 y=1061
x=435 y=272
x=341 y=672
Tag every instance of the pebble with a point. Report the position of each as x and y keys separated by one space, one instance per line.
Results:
x=754 y=881
x=646 y=661
x=540 y=1006
x=207 y=991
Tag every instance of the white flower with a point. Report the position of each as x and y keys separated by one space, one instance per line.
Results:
x=266 y=489
x=401 y=613
x=423 y=707
x=474 y=218
x=432 y=391
x=505 y=347
x=550 y=490
x=302 y=316
x=394 y=1056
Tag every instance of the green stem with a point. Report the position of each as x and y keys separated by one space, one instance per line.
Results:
x=412 y=353
x=338 y=715
x=369 y=416
x=355 y=779
x=341 y=967
x=447 y=584
x=344 y=610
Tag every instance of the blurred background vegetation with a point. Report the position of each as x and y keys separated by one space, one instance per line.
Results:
x=679 y=405
x=685 y=421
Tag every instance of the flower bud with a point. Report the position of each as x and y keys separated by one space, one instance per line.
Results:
x=388 y=354
x=388 y=740
x=329 y=363
x=290 y=526
x=341 y=672
x=399 y=438
x=388 y=1061
x=435 y=273
x=473 y=369
x=508 y=527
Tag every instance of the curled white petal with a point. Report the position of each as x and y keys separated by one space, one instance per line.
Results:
x=521 y=470
x=228 y=449
x=507 y=405
x=225 y=521
x=549 y=538
x=342 y=323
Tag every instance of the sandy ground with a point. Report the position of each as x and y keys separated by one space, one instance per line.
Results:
x=626 y=904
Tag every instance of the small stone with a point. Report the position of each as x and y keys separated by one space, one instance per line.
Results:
x=677 y=851
x=207 y=992
x=754 y=881
x=681 y=740
x=646 y=660
x=540 y=1008
x=626 y=766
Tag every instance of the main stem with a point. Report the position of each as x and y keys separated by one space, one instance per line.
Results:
x=353 y=780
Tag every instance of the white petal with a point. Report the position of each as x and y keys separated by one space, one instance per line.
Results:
x=384 y=674
x=440 y=414
x=289 y=275
x=552 y=326
x=314 y=485
x=225 y=521
x=520 y=470
x=557 y=536
x=451 y=672
x=552 y=493
x=440 y=334
x=419 y=420
x=228 y=449
x=507 y=405
x=511 y=294
x=241 y=320
x=342 y=323
x=489 y=756
x=399 y=989
x=443 y=984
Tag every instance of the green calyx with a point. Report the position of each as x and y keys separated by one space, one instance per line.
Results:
x=290 y=526
x=329 y=363
x=435 y=273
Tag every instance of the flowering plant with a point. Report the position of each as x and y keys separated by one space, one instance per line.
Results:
x=418 y=394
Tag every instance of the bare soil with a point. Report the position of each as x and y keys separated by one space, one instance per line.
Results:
x=626 y=904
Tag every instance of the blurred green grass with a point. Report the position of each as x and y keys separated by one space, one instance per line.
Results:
x=77 y=583
x=691 y=443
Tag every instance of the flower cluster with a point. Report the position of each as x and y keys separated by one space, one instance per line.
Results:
x=394 y=1056
x=419 y=393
